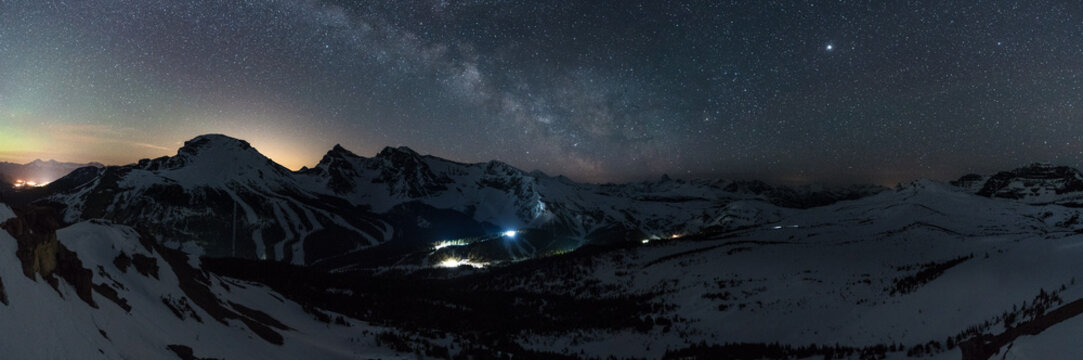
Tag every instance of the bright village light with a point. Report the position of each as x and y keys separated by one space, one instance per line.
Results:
x=24 y=183
x=454 y=263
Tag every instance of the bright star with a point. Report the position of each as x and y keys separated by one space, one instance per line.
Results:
x=830 y=47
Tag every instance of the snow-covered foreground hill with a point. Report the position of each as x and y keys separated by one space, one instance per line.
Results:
x=925 y=265
x=99 y=290
x=926 y=270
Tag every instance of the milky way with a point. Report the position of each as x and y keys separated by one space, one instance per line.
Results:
x=792 y=92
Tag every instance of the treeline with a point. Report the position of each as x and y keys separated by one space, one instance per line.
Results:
x=755 y=351
x=490 y=317
x=928 y=272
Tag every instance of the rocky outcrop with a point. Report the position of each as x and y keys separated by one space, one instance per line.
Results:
x=35 y=231
x=41 y=254
x=1035 y=183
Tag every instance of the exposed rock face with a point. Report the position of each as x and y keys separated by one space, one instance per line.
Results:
x=1036 y=183
x=404 y=172
x=35 y=230
x=41 y=254
x=971 y=182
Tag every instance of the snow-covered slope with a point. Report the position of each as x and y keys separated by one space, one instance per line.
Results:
x=910 y=268
x=96 y=290
x=216 y=188
x=5 y=213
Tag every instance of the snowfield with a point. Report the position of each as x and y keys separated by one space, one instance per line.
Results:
x=838 y=274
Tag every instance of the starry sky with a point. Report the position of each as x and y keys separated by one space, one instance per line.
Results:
x=598 y=90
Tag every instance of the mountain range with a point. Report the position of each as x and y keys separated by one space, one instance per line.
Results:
x=217 y=189
x=218 y=252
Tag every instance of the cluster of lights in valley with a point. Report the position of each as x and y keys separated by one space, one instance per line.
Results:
x=20 y=184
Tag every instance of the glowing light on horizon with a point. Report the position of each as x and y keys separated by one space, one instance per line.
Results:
x=510 y=233
x=23 y=183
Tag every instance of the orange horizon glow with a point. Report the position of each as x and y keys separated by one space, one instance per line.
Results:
x=121 y=153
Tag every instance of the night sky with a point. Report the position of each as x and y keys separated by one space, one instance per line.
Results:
x=621 y=90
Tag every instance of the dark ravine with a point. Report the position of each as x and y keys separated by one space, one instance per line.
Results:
x=984 y=347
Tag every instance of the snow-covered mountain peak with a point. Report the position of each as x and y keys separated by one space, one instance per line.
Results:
x=338 y=150
x=213 y=141
x=495 y=167
x=401 y=152
x=336 y=157
x=336 y=170
x=40 y=163
x=218 y=159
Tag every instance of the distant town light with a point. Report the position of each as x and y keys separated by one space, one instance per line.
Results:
x=23 y=183
x=450 y=263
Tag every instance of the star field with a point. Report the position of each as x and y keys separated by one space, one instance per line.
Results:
x=785 y=91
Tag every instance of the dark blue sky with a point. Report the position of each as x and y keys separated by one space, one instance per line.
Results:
x=786 y=91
